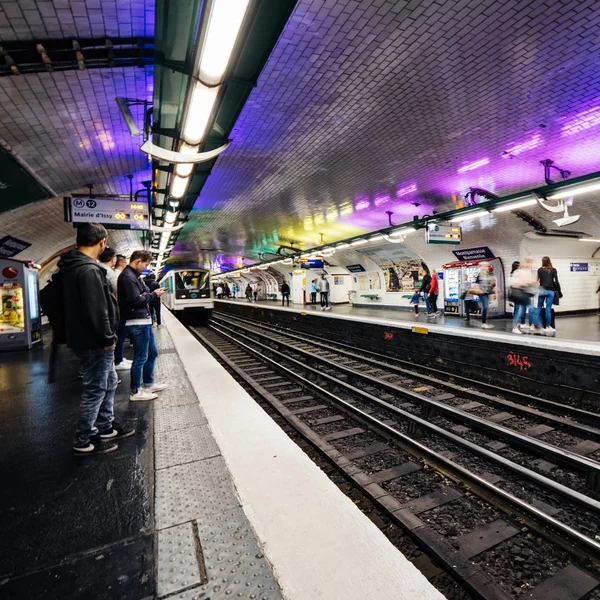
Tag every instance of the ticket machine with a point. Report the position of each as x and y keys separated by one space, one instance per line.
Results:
x=460 y=275
x=20 y=319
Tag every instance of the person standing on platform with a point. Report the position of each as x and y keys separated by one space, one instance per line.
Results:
x=248 y=293
x=156 y=303
x=548 y=287
x=256 y=291
x=484 y=286
x=520 y=293
x=121 y=363
x=285 y=293
x=324 y=289
x=219 y=292
x=91 y=319
x=425 y=283
x=134 y=301
x=313 y=292
x=415 y=299
x=434 y=290
x=108 y=260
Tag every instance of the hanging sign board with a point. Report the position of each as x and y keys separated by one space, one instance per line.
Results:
x=356 y=268
x=312 y=263
x=473 y=253
x=11 y=246
x=113 y=213
x=442 y=234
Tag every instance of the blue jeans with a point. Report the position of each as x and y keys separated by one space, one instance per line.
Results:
x=485 y=302
x=546 y=296
x=144 y=355
x=98 y=393
x=520 y=313
x=427 y=304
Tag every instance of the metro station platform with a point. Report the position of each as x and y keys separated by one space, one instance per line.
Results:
x=209 y=499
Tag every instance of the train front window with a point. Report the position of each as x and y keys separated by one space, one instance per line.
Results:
x=192 y=284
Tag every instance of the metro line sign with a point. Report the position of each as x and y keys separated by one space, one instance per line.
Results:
x=113 y=213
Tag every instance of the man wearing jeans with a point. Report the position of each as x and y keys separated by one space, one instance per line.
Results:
x=91 y=318
x=134 y=302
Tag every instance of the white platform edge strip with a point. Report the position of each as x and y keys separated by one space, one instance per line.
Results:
x=320 y=544
x=529 y=340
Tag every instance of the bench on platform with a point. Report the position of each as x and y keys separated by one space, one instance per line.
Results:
x=370 y=296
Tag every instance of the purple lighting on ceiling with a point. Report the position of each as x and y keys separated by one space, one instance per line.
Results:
x=405 y=189
x=474 y=165
x=362 y=204
x=381 y=199
x=517 y=149
x=582 y=121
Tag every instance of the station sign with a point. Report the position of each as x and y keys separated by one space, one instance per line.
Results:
x=579 y=267
x=113 y=213
x=11 y=246
x=442 y=234
x=356 y=268
x=312 y=263
x=466 y=254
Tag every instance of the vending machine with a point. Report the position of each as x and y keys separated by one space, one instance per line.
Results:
x=20 y=319
x=460 y=276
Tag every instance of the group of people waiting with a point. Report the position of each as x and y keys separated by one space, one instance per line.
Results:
x=430 y=290
x=105 y=300
x=523 y=288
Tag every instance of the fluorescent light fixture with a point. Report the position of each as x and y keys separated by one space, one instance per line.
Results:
x=123 y=104
x=467 y=216
x=287 y=261
x=173 y=203
x=171 y=217
x=198 y=113
x=514 y=205
x=185 y=169
x=340 y=246
x=164 y=240
x=376 y=238
x=593 y=240
x=401 y=232
x=178 y=186
x=224 y=24
x=359 y=242
x=473 y=165
x=575 y=191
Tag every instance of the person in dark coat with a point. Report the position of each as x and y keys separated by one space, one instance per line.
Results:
x=155 y=303
x=285 y=293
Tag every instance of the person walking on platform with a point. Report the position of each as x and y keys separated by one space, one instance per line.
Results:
x=324 y=289
x=121 y=363
x=91 y=319
x=219 y=292
x=425 y=283
x=156 y=303
x=248 y=293
x=484 y=286
x=313 y=292
x=134 y=301
x=434 y=290
x=285 y=293
x=548 y=287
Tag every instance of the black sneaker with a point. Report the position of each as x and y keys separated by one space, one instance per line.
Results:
x=94 y=446
x=116 y=432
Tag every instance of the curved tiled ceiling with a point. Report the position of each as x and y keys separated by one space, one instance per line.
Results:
x=374 y=106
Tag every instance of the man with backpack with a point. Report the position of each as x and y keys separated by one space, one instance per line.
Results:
x=90 y=317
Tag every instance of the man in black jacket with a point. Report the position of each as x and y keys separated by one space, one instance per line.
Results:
x=134 y=302
x=91 y=318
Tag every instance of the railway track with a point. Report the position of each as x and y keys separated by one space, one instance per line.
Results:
x=451 y=495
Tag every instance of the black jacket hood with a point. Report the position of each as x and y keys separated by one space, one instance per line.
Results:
x=74 y=259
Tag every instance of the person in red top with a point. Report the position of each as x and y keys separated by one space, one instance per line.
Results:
x=434 y=290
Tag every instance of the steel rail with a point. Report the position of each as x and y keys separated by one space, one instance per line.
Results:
x=562 y=456
x=565 y=492
x=521 y=400
x=561 y=532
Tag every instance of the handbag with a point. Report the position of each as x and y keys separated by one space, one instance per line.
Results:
x=518 y=295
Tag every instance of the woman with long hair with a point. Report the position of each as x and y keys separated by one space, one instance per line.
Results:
x=548 y=286
x=520 y=293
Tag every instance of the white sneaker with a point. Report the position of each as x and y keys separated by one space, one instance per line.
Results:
x=322 y=308
x=156 y=387
x=142 y=395
x=550 y=329
x=486 y=326
x=517 y=330
x=124 y=365
x=328 y=308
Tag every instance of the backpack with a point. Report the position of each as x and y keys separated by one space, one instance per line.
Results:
x=52 y=303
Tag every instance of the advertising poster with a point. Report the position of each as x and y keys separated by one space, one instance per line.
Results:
x=11 y=317
x=401 y=267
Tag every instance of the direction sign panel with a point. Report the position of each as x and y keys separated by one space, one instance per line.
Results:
x=110 y=212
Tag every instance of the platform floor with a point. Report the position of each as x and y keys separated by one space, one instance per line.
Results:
x=584 y=328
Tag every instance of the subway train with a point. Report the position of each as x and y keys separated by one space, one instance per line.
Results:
x=188 y=293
